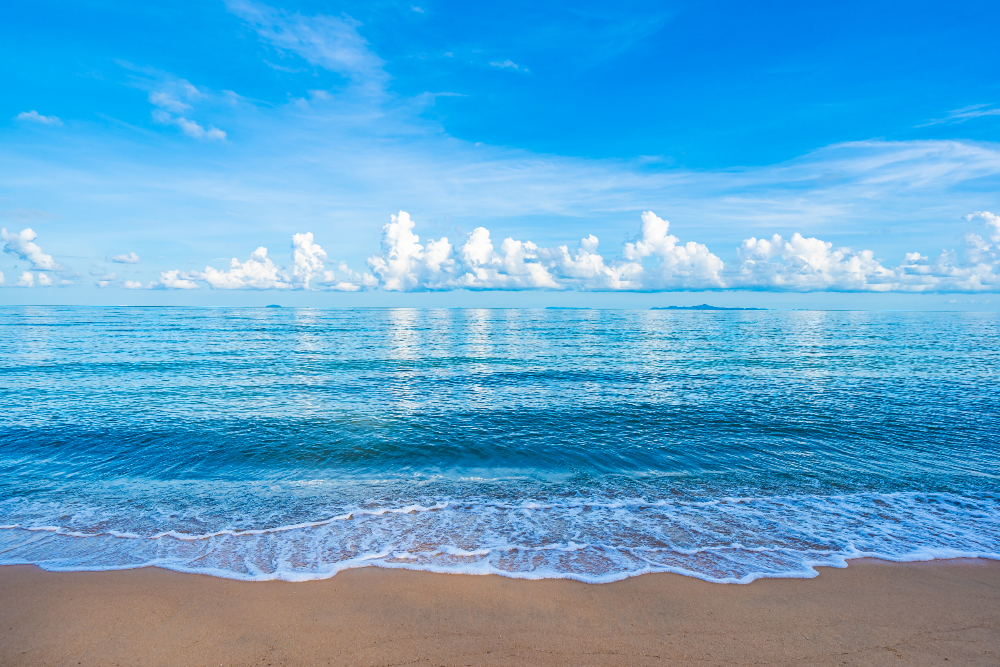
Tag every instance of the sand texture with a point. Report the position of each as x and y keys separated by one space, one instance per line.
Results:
x=873 y=613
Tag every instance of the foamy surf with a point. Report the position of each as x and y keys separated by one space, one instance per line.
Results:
x=728 y=540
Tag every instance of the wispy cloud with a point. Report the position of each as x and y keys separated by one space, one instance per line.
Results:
x=35 y=117
x=508 y=64
x=170 y=101
x=330 y=42
x=965 y=114
x=189 y=127
x=26 y=214
x=178 y=102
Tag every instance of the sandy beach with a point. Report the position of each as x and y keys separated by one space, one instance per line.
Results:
x=872 y=613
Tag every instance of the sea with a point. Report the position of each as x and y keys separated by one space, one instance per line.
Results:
x=294 y=443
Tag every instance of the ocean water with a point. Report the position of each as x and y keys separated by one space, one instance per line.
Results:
x=594 y=445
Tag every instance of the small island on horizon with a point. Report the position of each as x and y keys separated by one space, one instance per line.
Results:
x=703 y=306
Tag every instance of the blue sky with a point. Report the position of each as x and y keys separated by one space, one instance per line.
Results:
x=804 y=155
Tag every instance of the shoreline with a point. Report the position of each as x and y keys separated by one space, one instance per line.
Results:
x=871 y=613
x=816 y=569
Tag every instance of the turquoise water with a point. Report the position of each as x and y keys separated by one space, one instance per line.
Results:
x=595 y=445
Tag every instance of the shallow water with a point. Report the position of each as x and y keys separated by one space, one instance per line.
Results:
x=293 y=443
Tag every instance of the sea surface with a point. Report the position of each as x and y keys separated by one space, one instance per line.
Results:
x=586 y=444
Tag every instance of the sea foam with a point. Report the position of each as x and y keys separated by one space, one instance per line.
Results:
x=732 y=540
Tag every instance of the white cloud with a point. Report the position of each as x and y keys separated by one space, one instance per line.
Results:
x=991 y=220
x=965 y=113
x=190 y=127
x=307 y=259
x=688 y=265
x=802 y=264
x=106 y=280
x=26 y=280
x=657 y=261
x=132 y=284
x=406 y=265
x=169 y=100
x=330 y=42
x=172 y=280
x=308 y=269
x=130 y=258
x=401 y=266
x=35 y=117
x=809 y=264
x=22 y=245
x=504 y=64
x=654 y=261
x=258 y=273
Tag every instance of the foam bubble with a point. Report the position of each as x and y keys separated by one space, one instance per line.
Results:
x=731 y=539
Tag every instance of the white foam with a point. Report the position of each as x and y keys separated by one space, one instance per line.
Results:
x=731 y=539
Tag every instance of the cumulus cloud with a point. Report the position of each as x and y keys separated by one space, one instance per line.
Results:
x=807 y=264
x=991 y=220
x=130 y=258
x=330 y=42
x=22 y=244
x=106 y=280
x=258 y=273
x=655 y=260
x=658 y=261
x=173 y=279
x=35 y=117
x=308 y=272
x=684 y=265
x=803 y=264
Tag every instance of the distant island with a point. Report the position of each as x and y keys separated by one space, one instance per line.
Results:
x=567 y=308
x=274 y=305
x=703 y=306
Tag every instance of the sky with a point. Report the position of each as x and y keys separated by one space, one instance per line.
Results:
x=626 y=154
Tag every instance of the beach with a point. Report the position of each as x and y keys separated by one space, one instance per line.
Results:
x=871 y=613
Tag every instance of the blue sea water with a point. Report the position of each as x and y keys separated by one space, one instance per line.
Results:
x=593 y=445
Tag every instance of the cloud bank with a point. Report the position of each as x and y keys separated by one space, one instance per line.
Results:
x=308 y=271
x=653 y=261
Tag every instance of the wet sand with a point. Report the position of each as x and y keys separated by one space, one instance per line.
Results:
x=872 y=613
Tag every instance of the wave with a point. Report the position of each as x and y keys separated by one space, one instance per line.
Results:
x=727 y=540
